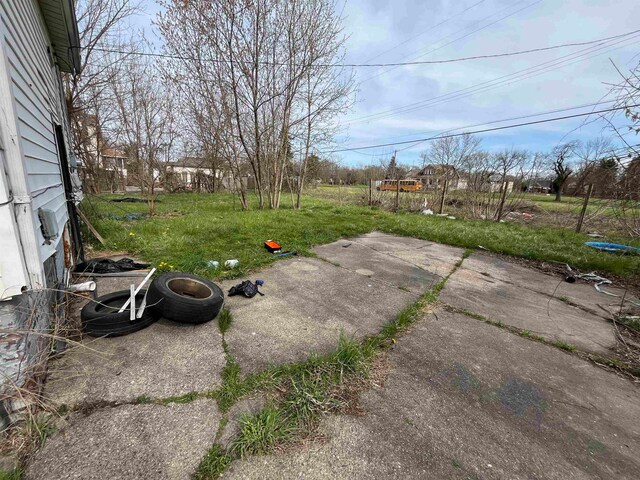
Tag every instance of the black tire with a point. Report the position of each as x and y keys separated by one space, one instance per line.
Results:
x=100 y=317
x=185 y=298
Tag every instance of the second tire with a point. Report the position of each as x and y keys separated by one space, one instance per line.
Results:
x=101 y=317
x=185 y=298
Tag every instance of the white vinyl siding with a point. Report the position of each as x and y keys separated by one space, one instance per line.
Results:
x=36 y=90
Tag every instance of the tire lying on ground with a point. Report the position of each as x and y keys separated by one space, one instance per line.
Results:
x=185 y=298
x=100 y=317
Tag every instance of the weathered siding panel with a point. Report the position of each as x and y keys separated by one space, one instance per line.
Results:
x=37 y=103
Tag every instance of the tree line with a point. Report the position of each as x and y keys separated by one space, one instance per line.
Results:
x=251 y=87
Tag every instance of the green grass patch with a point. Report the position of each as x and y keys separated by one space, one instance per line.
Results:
x=15 y=474
x=259 y=433
x=632 y=323
x=225 y=320
x=562 y=345
x=213 y=464
x=531 y=336
x=213 y=227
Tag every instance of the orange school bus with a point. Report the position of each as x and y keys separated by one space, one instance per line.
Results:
x=404 y=186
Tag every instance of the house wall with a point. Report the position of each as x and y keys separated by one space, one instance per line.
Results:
x=187 y=174
x=36 y=90
x=31 y=105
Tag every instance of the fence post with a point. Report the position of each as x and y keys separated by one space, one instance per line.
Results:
x=444 y=193
x=397 y=195
x=370 y=192
x=584 y=208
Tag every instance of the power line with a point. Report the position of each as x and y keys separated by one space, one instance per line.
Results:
x=461 y=37
x=511 y=119
x=498 y=81
x=358 y=65
x=505 y=127
x=519 y=75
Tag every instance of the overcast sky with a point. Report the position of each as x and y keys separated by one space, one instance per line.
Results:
x=383 y=31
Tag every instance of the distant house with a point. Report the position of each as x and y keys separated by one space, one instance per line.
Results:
x=189 y=169
x=538 y=185
x=102 y=167
x=194 y=173
x=497 y=184
x=39 y=188
x=114 y=160
x=434 y=176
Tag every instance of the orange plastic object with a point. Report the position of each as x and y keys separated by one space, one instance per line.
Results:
x=272 y=246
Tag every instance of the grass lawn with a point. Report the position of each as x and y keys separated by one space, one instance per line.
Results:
x=191 y=229
x=569 y=205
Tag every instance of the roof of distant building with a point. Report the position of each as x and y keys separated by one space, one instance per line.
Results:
x=113 y=152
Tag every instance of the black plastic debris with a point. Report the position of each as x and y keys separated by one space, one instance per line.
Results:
x=246 y=288
x=131 y=200
x=106 y=265
x=128 y=216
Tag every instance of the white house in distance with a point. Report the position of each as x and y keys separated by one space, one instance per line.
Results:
x=39 y=235
x=187 y=169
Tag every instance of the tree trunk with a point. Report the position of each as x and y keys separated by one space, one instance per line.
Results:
x=558 y=195
x=503 y=198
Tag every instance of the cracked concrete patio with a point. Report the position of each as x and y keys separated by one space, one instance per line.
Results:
x=463 y=399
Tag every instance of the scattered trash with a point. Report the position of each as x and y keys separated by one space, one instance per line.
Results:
x=272 y=246
x=247 y=288
x=213 y=264
x=612 y=247
x=82 y=287
x=284 y=254
x=523 y=215
x=233 y=263
x=347 y=245
x=131 y=200
x=595 y=235
x=428 y=211
x=132 y=299
x=483 y=248
x=570 y=279
x=442 y=214
x=106 y=265
x=592 y=277
x=601 y=290
x=451 y=217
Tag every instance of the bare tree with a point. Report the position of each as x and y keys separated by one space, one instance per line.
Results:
x=101 y=28
x=590 y=157
x=506 y=163
x=627 y=96
x=560 y=162
x=268 y=71
x=145 y=122
x=449 y=155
